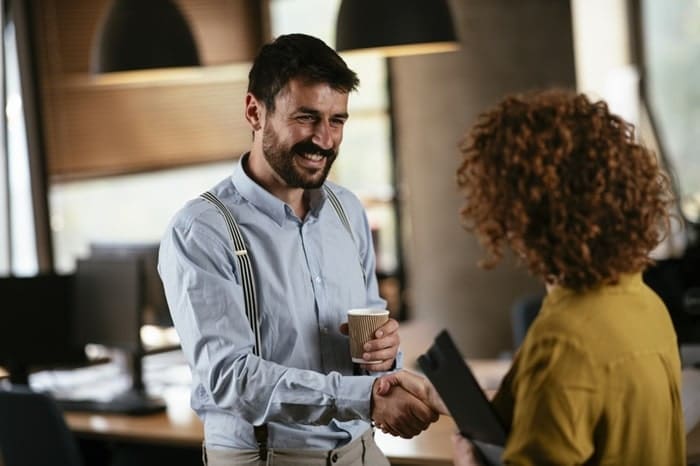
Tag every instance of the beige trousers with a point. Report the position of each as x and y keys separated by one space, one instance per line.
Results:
x=361 y=452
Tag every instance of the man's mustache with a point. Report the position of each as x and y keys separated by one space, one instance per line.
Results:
x=309 y=147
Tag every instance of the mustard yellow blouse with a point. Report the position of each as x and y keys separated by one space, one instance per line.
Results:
x=596 y=381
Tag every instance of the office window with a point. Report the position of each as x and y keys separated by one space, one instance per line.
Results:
x=18 y=254
x=4 y=180
x=671 y=39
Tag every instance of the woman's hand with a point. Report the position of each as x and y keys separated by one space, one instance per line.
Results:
x=463 y=451
x=418 y=386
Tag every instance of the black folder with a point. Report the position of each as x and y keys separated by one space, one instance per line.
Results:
x=472 y=411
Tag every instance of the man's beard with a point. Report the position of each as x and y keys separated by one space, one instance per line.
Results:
x=281 y=159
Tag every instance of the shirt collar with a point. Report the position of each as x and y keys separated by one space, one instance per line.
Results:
x=626 y=282
x=266 y=202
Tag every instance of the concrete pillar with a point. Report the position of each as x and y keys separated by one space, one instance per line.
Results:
x=506 y=46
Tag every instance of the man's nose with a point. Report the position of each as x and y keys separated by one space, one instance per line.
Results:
x=323 y=135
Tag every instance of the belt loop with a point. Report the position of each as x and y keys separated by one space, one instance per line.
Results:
x=332 y=458
x=261 y=439
x=204 y=454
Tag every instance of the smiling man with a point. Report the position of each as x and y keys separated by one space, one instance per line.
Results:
x=300 y=138
x=273 y=380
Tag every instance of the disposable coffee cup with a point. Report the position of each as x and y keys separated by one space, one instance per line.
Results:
x=362 y=323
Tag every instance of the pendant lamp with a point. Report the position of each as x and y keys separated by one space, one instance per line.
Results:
x=141 y=34
x=395 y=27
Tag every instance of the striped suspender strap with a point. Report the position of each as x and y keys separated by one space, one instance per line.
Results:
x=245 y=267
x=335 y=202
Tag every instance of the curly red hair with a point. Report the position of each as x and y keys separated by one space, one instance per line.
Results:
x=562 y=182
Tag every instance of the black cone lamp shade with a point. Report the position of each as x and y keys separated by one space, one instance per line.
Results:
x=395 y=27
x=141 y=34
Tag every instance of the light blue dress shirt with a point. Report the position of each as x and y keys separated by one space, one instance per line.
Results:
x=307 y=276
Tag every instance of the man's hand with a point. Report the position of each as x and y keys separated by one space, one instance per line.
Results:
x=418 y=386
x=463 y=452
x=400 y=413
x=383 y=348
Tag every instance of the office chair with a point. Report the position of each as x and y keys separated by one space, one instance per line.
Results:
x=33 y=431
x=523 y=312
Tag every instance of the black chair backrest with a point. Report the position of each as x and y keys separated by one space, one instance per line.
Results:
x=523 y=312
x=33 y=431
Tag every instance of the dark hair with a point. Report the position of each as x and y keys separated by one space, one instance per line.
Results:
x=297 y=56
x=561 y=181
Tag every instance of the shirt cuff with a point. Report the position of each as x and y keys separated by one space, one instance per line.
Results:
x=398 y=362
x=354 y=395
x=398 y=365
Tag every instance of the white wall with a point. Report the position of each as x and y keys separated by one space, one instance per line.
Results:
x=601 y=42
x=602 y=53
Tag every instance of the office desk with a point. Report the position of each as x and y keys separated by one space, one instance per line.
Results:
x=153 y=429
x=693 y=445
x=431 y=447
x=181 y=428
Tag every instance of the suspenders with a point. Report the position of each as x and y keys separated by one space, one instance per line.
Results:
x=246 y=269
x=245 y=265
x=335 y=202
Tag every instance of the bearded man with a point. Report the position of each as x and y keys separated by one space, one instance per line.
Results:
x=260 y=271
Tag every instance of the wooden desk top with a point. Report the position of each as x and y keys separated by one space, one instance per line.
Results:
x=160 y=429
x=693 y=445
x=431 y=447
x=179 y=426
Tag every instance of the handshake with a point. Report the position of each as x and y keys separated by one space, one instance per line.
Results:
x=405 y=404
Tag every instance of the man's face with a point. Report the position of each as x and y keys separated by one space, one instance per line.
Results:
x=302 y=136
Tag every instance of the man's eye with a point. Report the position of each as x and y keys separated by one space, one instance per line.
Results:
x=305 y=118
x=338 y=121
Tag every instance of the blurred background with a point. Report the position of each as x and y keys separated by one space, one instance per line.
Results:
x=110 y=126
x=108 y=156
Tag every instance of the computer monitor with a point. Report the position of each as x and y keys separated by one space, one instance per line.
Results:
x=36 y=324
x=110 y=298
x=155 y=307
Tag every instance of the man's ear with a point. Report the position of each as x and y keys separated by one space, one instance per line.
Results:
x=254 y=112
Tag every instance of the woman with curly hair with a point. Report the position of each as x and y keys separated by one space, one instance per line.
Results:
x=561 y=182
